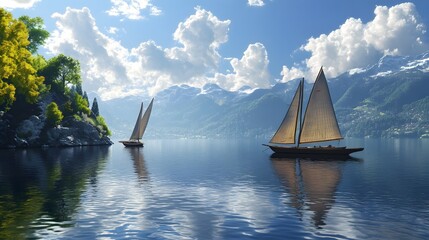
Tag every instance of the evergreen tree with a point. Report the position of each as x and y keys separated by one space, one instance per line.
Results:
x=94 y=108
x=85 y=96
x=79 y=88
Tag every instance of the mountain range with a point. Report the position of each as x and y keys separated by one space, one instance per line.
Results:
x=387 y=99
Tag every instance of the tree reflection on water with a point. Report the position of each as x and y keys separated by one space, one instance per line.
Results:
x=39 y=187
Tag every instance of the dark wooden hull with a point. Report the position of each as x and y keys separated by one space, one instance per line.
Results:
x=313 y=151
x=132 y=143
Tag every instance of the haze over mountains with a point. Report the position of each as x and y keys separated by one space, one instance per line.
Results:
x=387 y=99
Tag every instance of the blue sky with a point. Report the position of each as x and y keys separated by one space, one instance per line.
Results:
x=140 y=47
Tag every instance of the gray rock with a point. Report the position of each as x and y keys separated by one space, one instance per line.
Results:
x=30 y=129
x=77 y=133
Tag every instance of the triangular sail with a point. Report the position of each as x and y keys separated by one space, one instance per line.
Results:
x=287 y=130
x=145 y=119
x=136 y=132
x=320 y=122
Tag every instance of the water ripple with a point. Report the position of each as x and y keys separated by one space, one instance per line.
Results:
x=225 y=191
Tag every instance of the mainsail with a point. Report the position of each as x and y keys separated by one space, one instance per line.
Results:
x=136 y=132
x=145 y=119
x=320 y=122
x=287 y=130
x=141 y=122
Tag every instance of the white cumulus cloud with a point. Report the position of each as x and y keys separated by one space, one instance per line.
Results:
x=256 y=3
x=251 y=70
x=114 y=71
x=103 y=60
x=132 y=9
x=12 y=4
x=201 y=35
x=291 y=73
x=395 y=31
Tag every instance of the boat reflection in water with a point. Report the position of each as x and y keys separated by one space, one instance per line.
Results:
x=139 y=164
x=311 y=185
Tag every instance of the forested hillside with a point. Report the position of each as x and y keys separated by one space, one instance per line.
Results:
x=41 y=100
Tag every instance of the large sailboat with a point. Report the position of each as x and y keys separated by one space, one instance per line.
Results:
x=319 y=124
x=139 y=128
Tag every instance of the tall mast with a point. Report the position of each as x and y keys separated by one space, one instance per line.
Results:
x=135 y=134
x=300 y=109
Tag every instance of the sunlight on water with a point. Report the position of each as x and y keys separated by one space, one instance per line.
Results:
x=213 y=189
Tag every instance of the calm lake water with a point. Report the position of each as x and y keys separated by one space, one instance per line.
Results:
x=214 y=189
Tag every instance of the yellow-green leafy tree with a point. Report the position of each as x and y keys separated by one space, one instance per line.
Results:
x=53 y=115
x=17 y=74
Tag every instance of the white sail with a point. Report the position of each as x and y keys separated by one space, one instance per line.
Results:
x=287 y=130
x=145 y=119
x=320 y=122
x=136 y=132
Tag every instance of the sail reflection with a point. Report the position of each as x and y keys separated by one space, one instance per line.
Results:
x=310 y=184
x=139 y=163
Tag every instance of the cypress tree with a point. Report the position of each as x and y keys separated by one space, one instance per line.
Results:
x=94 y=108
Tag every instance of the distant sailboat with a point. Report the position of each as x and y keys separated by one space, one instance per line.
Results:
x=319 y=124
x=139 y=128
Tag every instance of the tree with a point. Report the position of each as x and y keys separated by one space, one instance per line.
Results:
x=17 y=74
x=62 y=70
x=53 y=115
x=36 y=34
x=79 y=89
x=38 y=62
x=80 y=104
x=85 y=96
x=67 y=108
x=103 y=126
x=94 y=108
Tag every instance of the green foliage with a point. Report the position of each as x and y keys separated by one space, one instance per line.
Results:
x=85 y=96
x=80 y=104
x=88 y=119
x=36 y=34
x=79 y=89
x=67 y=108
x=38 y=62
x=24 y=76
x=61 y=71
x=77 y=117
x=17 y=74
x=53 y=115
x=7 y=94
x=101 y=124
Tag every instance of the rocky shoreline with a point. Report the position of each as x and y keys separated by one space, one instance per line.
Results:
x=33 y=133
